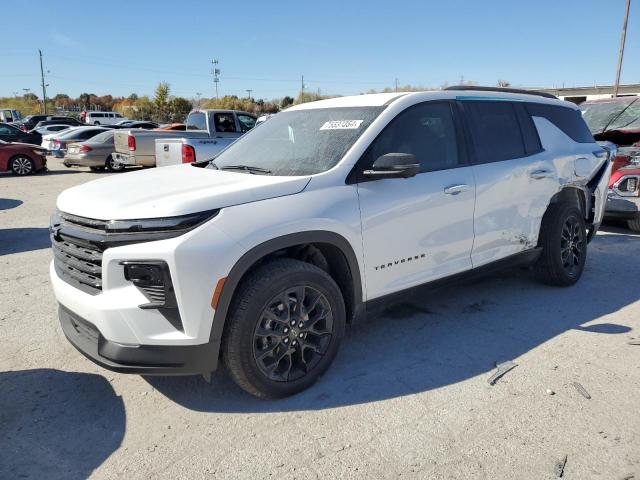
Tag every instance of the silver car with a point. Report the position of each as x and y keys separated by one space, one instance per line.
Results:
x=95 y=153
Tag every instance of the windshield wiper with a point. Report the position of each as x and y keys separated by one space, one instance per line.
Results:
x=246 y=168
x=206 y=163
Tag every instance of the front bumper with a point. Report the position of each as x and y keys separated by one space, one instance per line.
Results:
x=140 y=359
x=627 y=208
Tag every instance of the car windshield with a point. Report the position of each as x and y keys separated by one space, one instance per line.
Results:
x=614 y=115
x=103 y=137
x=71 y=132
x=299 y=142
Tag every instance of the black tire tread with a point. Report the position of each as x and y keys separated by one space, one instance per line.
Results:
x=634 y=225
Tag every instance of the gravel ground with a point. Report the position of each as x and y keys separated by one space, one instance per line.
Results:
x=407 y=396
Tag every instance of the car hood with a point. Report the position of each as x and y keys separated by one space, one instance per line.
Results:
x=172 y=191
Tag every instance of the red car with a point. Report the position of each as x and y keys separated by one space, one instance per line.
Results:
x=617 y=120
x=22 y=158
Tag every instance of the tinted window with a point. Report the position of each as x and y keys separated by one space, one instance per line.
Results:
x=426 y=131
x=197 y=121
x=566 y=119
x=495 y=131
x=246 y=122
x=88 y=134
x=224 y=122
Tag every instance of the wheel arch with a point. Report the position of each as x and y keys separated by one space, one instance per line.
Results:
x=336 y=251
x=576 y=196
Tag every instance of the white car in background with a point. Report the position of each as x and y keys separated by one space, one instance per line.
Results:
x=104 y=118
x=325 y=213
x=49 y=129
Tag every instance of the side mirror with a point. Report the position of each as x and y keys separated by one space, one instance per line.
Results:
x=394 y=165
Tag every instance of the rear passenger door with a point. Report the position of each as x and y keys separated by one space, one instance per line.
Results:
x=417 y=229
x=515 y=178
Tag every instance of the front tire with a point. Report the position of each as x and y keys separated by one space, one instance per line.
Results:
x=111 y=165
x=634 y=225
x=563 y=238
x=285 y=325
x=22 y=165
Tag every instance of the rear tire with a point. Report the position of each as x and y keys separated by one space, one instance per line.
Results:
x=285 y=325
x=111 y=165
x=634 y=225
x=563 y=238
x=22 y=165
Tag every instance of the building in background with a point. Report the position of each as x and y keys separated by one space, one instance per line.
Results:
x=578 y=95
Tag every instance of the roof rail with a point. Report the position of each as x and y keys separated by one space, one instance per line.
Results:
x=503 y=90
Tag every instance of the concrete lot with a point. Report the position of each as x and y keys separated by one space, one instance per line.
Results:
x=407 y=397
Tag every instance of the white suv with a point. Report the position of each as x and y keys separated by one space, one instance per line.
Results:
x=329 y=210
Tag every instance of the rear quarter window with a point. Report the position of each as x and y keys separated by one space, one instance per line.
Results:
x=568 y=120
x=197 y=121
x=495 y=130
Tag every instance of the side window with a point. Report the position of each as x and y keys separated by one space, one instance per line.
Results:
x=568 y=120
x=495 y=130
x=246 y=122
x=426 y=130
x=224 y=122
x=197 y=121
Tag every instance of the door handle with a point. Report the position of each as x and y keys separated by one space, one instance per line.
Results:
x=538 y=174
x=456 y=189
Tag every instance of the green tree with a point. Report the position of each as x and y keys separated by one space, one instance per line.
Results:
x=179 y=108
x=161 y=102
x=286 y=102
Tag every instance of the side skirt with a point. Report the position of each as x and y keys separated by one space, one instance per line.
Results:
x=377 y=305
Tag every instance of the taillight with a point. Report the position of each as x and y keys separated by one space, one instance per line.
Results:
x=23 y=128
x=84 y=149
x=57 y=143
x=131 y=141
x=188 y=154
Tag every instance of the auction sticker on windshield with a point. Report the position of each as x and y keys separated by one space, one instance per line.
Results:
x=341 y=125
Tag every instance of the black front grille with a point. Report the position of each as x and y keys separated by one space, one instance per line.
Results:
x=79 y=264
x=77 y=251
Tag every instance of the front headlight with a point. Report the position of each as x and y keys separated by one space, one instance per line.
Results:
x=182 y=222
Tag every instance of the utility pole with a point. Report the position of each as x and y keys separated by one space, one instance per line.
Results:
x=302 y=89
x=44 y=87
x=198 y=95
x=623 y=38
x=216 y=72
x=396 y=84
x=248 y=90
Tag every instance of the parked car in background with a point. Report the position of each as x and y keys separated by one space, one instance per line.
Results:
x=21 y=158
x=94 y=153
x=69 y=121
x=172 y=126
x=9 y=133
x=617 y=120
x=48 y=129
x=208 y=133
x=103 y=118
x=137 y=124
x=8 y=115
x=56 y=144
x=29 y=122
x=323 y=214
x=136 y=146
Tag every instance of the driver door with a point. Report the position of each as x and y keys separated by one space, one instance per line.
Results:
x=418 y=229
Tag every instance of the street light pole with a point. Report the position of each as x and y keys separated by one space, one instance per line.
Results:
x=623 y=38
x=44 y=87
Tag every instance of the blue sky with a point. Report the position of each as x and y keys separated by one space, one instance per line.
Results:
x=341 y=47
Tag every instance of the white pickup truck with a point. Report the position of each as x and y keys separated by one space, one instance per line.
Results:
x=208 y=133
